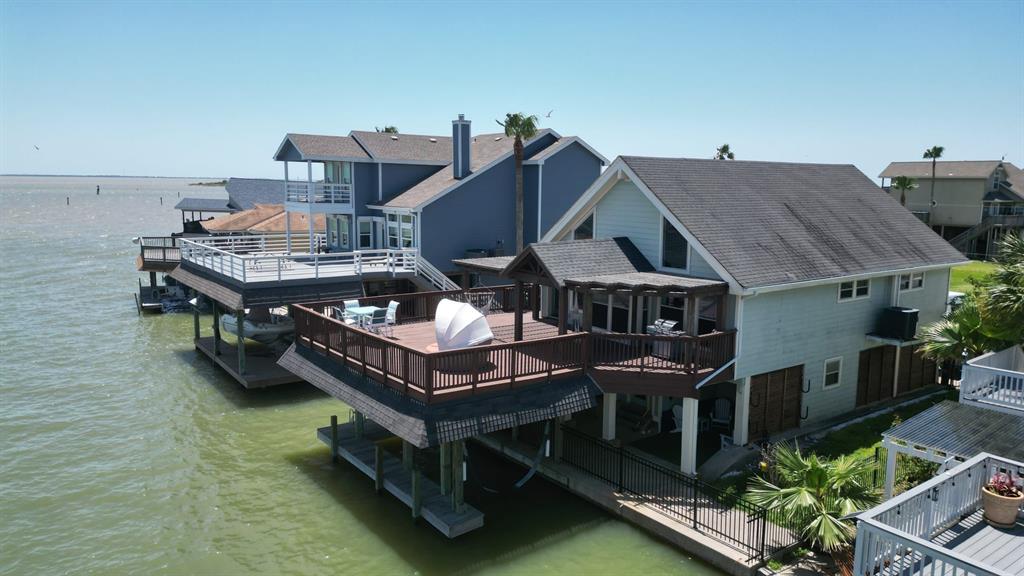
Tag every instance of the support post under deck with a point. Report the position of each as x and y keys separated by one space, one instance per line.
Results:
x=563 y=310
x=518 y=332
x=216 y=330
x=334 y=438
x=240 y=316
x=688 y=438
x=195 y=316
x=445 y=467
x=406 y=455
x=458 y=449
x=608 y=416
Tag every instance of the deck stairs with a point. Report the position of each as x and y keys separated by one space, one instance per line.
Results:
x=429 y=278
x=960 y=241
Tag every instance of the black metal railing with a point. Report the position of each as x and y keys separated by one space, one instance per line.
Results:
x=747 y=527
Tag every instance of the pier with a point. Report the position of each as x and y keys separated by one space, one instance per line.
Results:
x=260 y=368
x=440 y=506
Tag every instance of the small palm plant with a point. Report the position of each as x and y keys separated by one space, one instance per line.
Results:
x=815 y=493
x=959 y=335
x=1001 y=300
x=904 y=184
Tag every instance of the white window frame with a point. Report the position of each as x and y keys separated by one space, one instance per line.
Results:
x=912 y=279
x=661 y=248
x=825 y=372
x=854 y=296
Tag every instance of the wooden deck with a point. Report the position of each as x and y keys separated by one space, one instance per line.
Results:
x=261 y=369
x=420 y=335
x=436 y=508
x=995 y=547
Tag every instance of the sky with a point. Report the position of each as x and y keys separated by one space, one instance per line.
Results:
x=210 y=88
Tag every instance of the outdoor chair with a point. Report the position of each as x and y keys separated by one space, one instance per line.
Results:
x=346 y=315
x=339 y=314
x=378 y=322
x=392 y=316
x=722 y=414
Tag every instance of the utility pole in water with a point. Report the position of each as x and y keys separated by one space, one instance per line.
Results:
x=97 y=189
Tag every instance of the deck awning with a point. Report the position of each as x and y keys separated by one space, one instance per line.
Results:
x=204 y=205
x=488 y=265
x=962 y=431
x=655 y=282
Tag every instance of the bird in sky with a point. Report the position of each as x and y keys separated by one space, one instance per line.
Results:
x=37 y=147
x=548 y=115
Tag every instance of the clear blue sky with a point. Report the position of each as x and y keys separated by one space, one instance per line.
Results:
x=210 y=89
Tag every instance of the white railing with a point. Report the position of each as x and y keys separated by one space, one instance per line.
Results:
x=318 y=193
x=435 y=276
x=995 y=379
x=896 y=536
x=245 y=259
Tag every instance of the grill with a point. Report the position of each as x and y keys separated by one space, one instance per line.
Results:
x=663 y=327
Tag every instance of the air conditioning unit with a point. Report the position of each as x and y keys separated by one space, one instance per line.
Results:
x=898 y=322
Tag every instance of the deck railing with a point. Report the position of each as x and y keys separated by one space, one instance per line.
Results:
x=438 y=376
x=159 y=249
x=895 y=537
x=996 y=378
x=724 y=516
x=261 y=259
x=319 y=193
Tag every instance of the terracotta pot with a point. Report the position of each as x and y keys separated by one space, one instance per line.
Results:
x=1000 y=511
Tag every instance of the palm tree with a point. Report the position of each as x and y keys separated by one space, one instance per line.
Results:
x=903 y=184
x=959 y=335
x=723 y=153
x=1001 y=298
x=815 y=494
x=934 y=153
x=521 y=127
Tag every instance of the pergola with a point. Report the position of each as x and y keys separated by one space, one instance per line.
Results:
x=952 y=431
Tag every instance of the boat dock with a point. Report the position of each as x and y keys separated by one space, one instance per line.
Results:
x=259 y=369
x=422 y=495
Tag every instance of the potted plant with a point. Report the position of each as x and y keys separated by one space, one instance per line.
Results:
x=1001 y=499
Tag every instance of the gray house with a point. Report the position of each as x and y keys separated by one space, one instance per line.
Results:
x=815 y=259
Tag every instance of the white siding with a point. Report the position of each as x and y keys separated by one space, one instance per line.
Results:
x=625 y=211
x=931 y=299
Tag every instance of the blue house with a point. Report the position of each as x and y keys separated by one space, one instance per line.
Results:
x=441 y=195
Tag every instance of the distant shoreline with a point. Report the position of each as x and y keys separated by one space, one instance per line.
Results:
x=115 y=176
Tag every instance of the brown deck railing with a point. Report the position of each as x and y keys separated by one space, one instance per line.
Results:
x=439 y=376
x=420 y=306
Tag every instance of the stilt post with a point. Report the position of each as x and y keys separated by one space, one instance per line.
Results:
x=518 y=331
x=446 y=468
x=406 y=455
x=360 y=424
x=216 y=329
x=240 y=315
x=195 y=317
x=334 y=438
x=417 y=493
x=378 y=468
x=563 y=310
x=458 y=450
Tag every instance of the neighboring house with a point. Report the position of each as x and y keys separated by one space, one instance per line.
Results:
x=397 y=209
x=812 y=256
x=976 y=202
x=243 y=194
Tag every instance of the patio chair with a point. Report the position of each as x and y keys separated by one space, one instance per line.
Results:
x=392 y=316
x=346 y=315
x=339 y=314
x=378 y=322
x=722 y=414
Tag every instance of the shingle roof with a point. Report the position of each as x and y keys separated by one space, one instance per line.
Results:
x=771 y=223
x=963 y=430
x=493 y=264
x=204 y=205
x=243 y=220
x=484 y=149
x=582 y=258
x=313 y=146
x=943 y=169
x=648 y=281
x=1015 y=178
x=244 y=193
x=405 y=147
x=298 y=222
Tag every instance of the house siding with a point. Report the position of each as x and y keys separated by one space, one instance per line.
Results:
x=400 y=177
x=929 y=300
x=625 y=211
x=958 y=202
x=365 y=175
x=566 y=176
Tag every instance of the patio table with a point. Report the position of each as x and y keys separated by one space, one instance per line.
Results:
x=362 y=312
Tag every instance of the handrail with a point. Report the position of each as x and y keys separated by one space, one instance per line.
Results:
x=159 y=249
x=435 y=276
x=318 y=192
x=467 y=370
x=994 y=384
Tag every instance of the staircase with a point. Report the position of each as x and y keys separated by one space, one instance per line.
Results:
x=430 y=278
x=961 y=241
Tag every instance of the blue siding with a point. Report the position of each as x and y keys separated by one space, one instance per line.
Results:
x=365 y=174
x=530 y=173
x=400 y=177
x=567 y=175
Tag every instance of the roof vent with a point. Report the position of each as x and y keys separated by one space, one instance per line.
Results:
x=433 y=140
x=394 y=137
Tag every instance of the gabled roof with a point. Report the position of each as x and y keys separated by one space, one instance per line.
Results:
x=405 y=147
x=484 y=150
x=943 y=169
x=244 y=193
x=1015 y=180
x=774 y=223
x=244 y=220
x=581 y=258
x=562 y=144
x=320 y=147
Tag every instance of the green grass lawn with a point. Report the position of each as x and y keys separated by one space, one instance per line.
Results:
x=975 y=269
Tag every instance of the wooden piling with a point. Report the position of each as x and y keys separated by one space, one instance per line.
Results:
x=417 y=493
x=195 y=316
x=378 y=468
x=334 y=438
x=360 y=424
x=406 y=455
x=216 y=329
x=240 y=316
x=458 y=501
x=446 y=468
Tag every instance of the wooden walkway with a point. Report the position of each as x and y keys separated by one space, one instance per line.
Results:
x=995 y=547
x=436 y=508
x=261 y=369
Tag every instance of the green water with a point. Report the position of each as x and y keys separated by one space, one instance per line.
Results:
x=121 y=451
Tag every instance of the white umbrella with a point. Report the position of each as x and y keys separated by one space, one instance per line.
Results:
x=458 y=325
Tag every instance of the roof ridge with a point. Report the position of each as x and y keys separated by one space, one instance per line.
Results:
x=727 y=162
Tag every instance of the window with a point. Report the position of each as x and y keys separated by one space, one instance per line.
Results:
x=854 y=290
x=914 y=281
x=833 y=370
x=365 y=233
x=585 y=231
x=401 y=230
x=673 y=247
